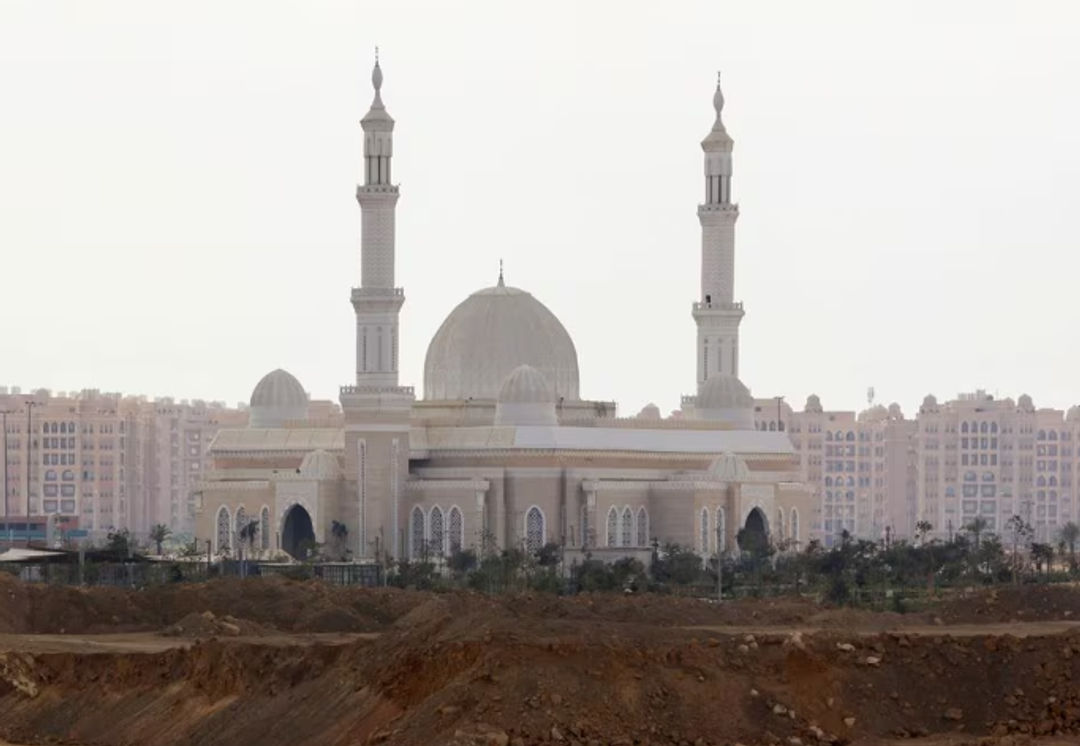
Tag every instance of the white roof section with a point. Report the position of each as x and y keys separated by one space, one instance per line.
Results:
x=15 y=554
x=562 y=438
x=278 y=439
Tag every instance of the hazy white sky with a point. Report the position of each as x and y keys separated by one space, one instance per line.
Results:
x=177 y=212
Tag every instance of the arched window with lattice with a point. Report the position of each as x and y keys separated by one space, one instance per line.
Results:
x=626 y=530
x=795 y=525
x=224 y=529
x=240 y=525
x=416 y=533
x=435 y=543
x=721 y=529
x=704 y=538
x=457 y=530
x=534 y=529
x=779 y=525
x=612 y=527
x=642 y=528
x=264 y=528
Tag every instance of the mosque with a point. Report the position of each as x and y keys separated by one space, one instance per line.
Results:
x=502 y=450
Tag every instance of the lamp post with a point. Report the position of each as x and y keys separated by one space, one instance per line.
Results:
x=30 y=404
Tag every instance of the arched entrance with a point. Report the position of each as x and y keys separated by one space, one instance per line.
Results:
x=754 y=536
x=297 y=533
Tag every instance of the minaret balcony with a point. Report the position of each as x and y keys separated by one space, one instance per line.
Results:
x=713 y=306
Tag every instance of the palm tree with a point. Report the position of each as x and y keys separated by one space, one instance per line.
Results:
x=976 y=527
x=159 y=534
x=1070 y=532
x=248 y=532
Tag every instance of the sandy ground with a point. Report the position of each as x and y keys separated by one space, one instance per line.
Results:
x=1016 y=629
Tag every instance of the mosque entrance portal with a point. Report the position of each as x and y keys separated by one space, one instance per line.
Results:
x=298 y=535
x=754 y=536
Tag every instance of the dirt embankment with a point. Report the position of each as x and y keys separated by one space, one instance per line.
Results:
x=469 y=670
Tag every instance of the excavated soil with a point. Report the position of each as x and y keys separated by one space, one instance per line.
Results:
x=465 y=669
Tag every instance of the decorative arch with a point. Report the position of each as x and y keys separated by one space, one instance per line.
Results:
x=416 y=533
x=642 y=527
x=456 y=534
x=241 y=521
x=224 y=526
x=626 y=528
x=612 y=527
x=436 y=531
x=535 y=529
x=264 y=528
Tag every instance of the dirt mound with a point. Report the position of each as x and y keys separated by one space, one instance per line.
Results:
x=206 y=624
x=276 y=603
x=1010 y=603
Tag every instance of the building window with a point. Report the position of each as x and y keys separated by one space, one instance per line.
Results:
x=627 y=532
x=642 y=528
x=436 y=523
x=721 y=530
x=534 y=529
x=223 y=525
x=241 y=524
x=704 y=531
x=612 y=527
x=457 y=530
x=416 y=530
x=264 y=529
x=795 y=525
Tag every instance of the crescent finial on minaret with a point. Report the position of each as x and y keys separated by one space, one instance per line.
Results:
x=718 y=102
x=376 y=73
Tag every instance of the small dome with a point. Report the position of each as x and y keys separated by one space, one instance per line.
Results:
x=725 y=398
x=320 y=464
x=277 y=399
x=1073 y=414
x=895 y=413
x=729 y=468
x=875 y=413
x=487 y=336
x=813 y=404
x=649 y=412
x=526 y=385
x=525 y=398
x=1025 y=404
x=929 y=403
x=722 y=391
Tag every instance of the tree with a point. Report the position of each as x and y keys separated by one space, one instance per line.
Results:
x=247 y=534
x=1021 y=532
x=339 y=538
x=119 y=542
x=1070 y=532
x=1042 y=554
x=977 y=525
x=922 y=529
x=158 y=534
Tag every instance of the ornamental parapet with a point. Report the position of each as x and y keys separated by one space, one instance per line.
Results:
x=711 y=306
x=401 y=390
x=377 y=293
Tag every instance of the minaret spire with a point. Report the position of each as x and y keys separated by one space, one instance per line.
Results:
x=716 y=312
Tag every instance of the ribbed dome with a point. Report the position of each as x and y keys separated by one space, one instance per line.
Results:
x=1025 y=404
x=320 y=464
x=813 y=404
x=278 y=398
x=722 y=391
x=487 y=336
x=526 y=385
x=1073 y=414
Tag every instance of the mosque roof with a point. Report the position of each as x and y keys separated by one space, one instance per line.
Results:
x=490 y=334
x=278 y=439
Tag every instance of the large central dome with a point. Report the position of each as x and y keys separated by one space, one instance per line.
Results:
x=487 y=336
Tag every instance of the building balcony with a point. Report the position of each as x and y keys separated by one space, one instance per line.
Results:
x=710 y=306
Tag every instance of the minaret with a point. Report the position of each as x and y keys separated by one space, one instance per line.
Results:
x=716 y=312
x=377 y=302
x=376 y=409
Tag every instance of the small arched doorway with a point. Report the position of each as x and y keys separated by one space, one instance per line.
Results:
x=297 y=533
x=754 y=536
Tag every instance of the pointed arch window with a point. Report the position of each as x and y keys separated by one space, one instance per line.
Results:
x=704 y=529
x=780 y=524
x=224 y=524
x=457 y=530
x=416 y=533
x=795 y=525
x=436 y=523
x=626 y=529
x=534 y=529
x=721 y=528
x=241 y=522
x=264 y=529
x=612 y=527
x=642 y=527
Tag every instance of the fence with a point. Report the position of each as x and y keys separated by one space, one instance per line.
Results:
x=146 y=574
